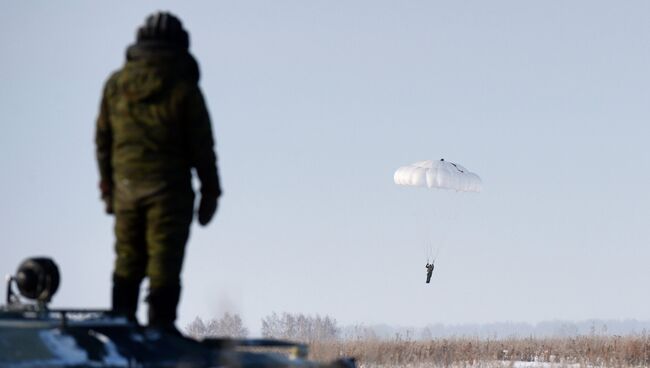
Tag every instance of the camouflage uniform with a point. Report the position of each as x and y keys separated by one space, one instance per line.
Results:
x=153 y=128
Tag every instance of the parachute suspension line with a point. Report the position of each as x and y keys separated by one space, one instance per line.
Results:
x=436 y=256
x=431 y=256
x=429 y=252
x=438 y=175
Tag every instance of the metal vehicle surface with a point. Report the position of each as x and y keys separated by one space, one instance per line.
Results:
x=32 y=335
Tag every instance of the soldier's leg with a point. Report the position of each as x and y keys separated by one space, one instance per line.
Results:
x=131 y=258
x=168 y=225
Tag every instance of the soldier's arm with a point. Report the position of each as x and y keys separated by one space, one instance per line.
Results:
x=201 y=143
x=103 y=146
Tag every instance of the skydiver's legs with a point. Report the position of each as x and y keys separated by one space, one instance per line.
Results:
x=428 y=277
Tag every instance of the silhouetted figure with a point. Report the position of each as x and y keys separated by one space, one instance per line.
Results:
x=153 y=131
x=429 y=267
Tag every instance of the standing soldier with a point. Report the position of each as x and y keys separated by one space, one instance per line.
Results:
x=153 y=129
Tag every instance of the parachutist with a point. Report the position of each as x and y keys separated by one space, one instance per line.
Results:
x=429 y=267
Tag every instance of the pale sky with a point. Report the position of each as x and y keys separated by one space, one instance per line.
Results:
x=314 y=106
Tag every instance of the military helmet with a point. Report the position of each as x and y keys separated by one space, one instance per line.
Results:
x=163 y=27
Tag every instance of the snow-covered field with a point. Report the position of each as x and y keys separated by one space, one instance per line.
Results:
x=487 y=364
x=570 y=352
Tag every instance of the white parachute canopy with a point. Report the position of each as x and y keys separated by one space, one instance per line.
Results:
x=438 y=174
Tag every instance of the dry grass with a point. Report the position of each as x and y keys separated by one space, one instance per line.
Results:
x=581 y=351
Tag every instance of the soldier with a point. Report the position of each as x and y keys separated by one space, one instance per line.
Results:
x=153 y=129
x=429 y=267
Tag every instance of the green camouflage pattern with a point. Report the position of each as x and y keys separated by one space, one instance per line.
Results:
x=153 y=128
x=151 y=232
x=153 y=123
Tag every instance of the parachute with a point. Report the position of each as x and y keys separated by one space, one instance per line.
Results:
x=438 y=174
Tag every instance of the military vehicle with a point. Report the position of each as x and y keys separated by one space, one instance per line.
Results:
x=33 y=335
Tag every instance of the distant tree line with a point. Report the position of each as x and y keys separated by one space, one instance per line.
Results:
x=229 y=325
x=306 y=328
x=558 y=328
x=300 y=327
x=295 y=327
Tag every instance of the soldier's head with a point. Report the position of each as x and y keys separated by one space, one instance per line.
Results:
x=163 y=27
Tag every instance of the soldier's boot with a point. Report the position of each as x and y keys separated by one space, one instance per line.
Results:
x=125 y=297
x=162 y=308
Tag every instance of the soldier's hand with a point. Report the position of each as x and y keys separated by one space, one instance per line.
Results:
x=106 y=189
x=207 y=208
x=108 y=205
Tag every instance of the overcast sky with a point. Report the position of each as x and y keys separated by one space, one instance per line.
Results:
x=314 y=106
